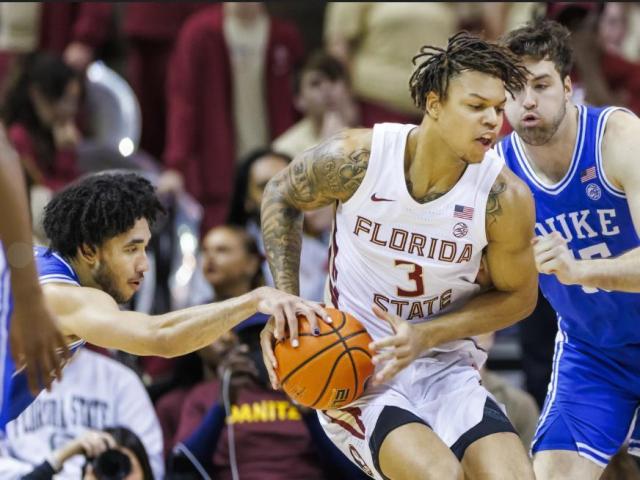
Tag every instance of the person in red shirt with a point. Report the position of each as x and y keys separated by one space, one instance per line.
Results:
x=39 y=114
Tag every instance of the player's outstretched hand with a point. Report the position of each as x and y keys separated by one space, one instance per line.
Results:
x=553 y=257
x=396 y=351
x=284 y=309
x=37 y=344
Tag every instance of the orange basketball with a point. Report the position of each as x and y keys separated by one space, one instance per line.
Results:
x=329 y=370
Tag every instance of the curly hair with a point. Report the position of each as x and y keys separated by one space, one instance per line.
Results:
x=542 y=39
x=97 y=208
x=464 y=51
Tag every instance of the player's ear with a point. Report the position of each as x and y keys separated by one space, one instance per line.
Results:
x=568 y=87
x=433 y=105
x=87 y=253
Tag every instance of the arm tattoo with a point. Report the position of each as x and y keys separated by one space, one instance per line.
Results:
x=319 y=177
x=494 y=209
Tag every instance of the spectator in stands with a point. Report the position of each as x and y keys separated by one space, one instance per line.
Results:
x=600 y=77
x=323 y=96
x=613 y=26
x=374 y=40
x=94 y=393
x=229 y=91
x=39 y=114
x=75 y=30
x=151 y=32
x=253 y=174
x=256 y=430
x=231 y=265
x=113 y=453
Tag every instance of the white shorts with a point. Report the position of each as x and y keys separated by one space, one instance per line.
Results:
x=444 y=391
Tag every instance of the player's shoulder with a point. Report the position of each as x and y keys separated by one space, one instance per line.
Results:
x=53 y=268
x=620 y=141
x=347 y=142
x=621 y=130
x=510 y=201
x=512 y=187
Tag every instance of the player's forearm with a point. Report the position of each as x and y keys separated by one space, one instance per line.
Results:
x=487 y=312
x=618 y=274
x=190 y=329
x=15 y=229
x=282 y=236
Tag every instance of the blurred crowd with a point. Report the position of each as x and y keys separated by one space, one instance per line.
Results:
x=210 y=101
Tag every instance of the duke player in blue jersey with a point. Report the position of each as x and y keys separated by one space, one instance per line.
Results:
x=581 y=165
x=99 y=229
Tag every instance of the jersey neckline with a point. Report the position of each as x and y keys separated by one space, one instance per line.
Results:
x=408 y=198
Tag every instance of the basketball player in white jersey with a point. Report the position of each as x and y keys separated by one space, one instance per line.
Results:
x=416 y=208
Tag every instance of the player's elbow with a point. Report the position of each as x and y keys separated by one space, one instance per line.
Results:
x=528 y=298
x=160 y=342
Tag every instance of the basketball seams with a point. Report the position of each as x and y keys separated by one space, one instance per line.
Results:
x=333 y=369
x=353 y=363
x=320 y=352
x=302 y=382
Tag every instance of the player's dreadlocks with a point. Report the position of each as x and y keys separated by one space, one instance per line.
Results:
x=97 y=208
x=464 y=52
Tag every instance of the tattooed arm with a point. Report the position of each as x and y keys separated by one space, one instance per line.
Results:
x=331 y=171
x=510 y=219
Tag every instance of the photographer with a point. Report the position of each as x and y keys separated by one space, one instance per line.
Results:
x=112 y=454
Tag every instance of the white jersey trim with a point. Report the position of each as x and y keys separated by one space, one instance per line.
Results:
x=600 y=131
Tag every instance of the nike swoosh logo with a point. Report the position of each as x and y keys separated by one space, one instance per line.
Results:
x=374 y=198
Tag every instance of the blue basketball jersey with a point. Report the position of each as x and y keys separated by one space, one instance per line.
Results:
x=593 y=216
x=14 y=391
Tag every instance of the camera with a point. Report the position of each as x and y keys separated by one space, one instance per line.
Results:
x=111 y=465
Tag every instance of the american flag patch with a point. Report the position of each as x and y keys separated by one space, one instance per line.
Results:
x=461 y=211
x=588 y=174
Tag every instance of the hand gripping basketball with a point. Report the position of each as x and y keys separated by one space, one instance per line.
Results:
x=328 y=370
x=398 y=350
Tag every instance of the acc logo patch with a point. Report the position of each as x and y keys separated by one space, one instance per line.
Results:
x=594 y=192
x=460 y=230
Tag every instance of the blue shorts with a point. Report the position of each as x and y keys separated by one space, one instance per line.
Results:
x=592 y=401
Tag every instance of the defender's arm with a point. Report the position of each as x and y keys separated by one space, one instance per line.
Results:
x=93 y=315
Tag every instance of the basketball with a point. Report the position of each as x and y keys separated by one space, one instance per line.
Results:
x=329 y=370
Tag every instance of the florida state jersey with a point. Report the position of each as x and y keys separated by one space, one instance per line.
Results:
x=411 y=259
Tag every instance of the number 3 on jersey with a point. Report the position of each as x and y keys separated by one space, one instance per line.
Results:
x=415 y=274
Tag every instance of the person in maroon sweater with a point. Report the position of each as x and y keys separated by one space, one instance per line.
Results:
x=201 y=127
x=39 y=114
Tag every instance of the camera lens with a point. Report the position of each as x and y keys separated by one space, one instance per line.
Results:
x=111 y=465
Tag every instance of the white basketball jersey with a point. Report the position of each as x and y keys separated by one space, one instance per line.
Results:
x=414 y=260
